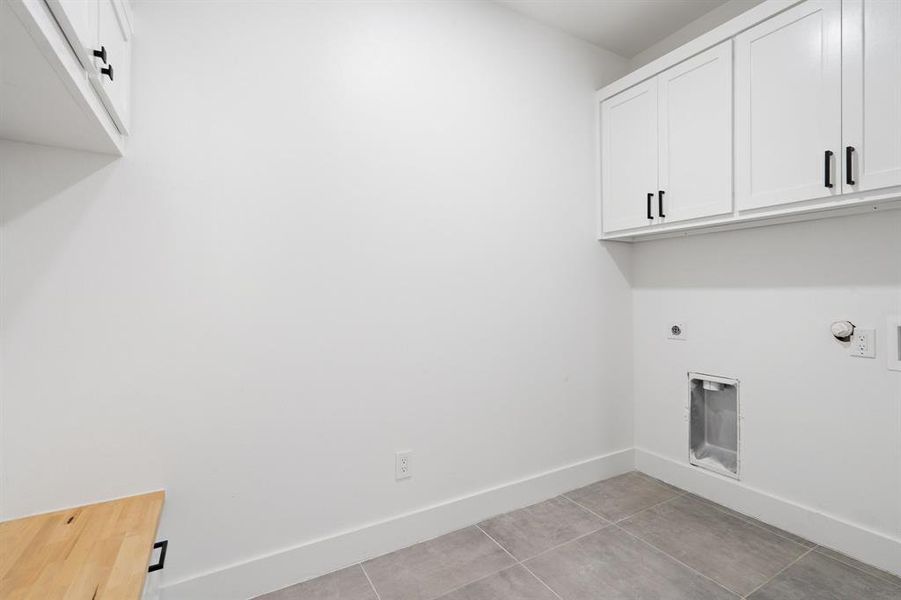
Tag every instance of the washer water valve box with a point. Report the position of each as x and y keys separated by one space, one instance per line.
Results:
x=713 y=423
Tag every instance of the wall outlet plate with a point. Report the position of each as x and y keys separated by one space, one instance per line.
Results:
x=403 y=464
x=863 y=343
x=676 y=331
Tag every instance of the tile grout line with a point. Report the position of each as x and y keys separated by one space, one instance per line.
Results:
x=575 y=539
x=778 y=573
x=608 y=521
x=540 y=580
x=605 y=523
x=499 y=545
x=369 y=579
x=618 y=526
x=739 y=516
x=676 y=497
x=522 y=564
x=752 y=521
x=819 y=550
x=629 y=516
x=673 y=558
x=486 y=576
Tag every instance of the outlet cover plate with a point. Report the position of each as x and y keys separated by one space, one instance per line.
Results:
x=403 y=465
x=863 y=343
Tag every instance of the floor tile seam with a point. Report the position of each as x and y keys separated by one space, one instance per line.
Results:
x=522 y=564
x=487 y=575
x=673 y=558
x=541 y=581
x=653 y=506
x=560 y=545
x=818 y=549
x=726 y=511
x=627 y=516
x=752 y=521
x=476 y=580
x=499 y=545
x=583 y=507
x=777 y=574
x=371 y=584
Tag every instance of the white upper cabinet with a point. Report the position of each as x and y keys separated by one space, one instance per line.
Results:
x=666 y=151
x=79 y=21
x=695 y=137
x=788 y=107
x=780 y=114
x=871 y=119
x=69 y=83
x=112 y=76
x=629 y=157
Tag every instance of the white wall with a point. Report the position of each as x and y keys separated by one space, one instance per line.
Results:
x=706 y=22
x=340 y=230
x=820 y=429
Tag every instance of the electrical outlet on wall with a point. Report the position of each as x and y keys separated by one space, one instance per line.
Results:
x=863 y=343
x=403 y=465
x=676 y=331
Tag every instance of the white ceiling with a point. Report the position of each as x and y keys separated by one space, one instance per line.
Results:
x=625 y=27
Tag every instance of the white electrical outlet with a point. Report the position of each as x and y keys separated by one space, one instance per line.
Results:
x=863 y=343
x=403 y=465
x=676 y=331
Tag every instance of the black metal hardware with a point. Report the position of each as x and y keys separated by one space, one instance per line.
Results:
x=108 y=71
x=849 y=165
x=660 y=203
x=650 y=216
x=101 y=54
x=827 y=168
x=164 y=545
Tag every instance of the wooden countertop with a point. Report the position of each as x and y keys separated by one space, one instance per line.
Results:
x=94 y=552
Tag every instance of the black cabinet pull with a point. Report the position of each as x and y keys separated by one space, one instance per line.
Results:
x=849 y=165
x=162 y=563
x=660 y=203
x=827 y=168
x=108 y=71
x=101 y=54
x=650 y=216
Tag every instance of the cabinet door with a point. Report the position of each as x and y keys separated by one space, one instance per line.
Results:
x=871 y=118
x=79 y=21
x=788 y=107
x=112 y=79
x=695 y=104
x=628 y=156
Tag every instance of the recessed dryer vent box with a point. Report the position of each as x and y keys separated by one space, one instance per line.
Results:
x=713 y=436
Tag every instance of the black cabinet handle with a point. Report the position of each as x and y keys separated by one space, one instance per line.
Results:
x=650 y=216
x=827 y=168
x=101 y=54
x=849 y=165
x=660 y=203
x=165 y=546
x=108 y=71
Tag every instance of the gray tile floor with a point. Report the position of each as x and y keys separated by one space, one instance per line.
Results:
x=630 y=537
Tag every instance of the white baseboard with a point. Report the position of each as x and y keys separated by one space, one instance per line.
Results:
x=310 y=559
x=857 y=541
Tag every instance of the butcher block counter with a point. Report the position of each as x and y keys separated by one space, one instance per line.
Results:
x=94 y=552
